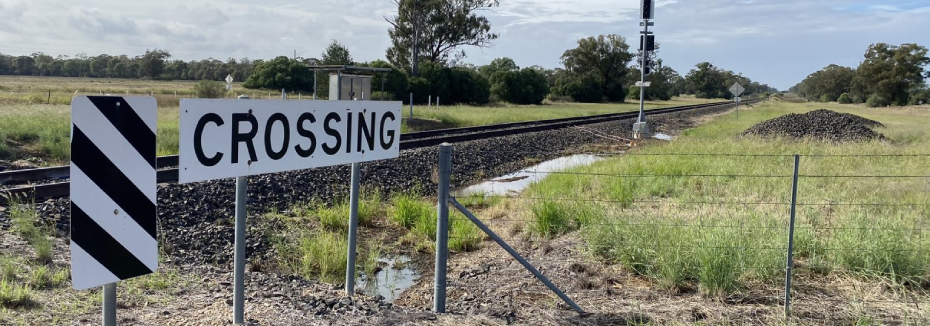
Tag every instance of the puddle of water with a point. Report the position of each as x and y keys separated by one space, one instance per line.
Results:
x=392 y=280
x=515 y=182
x=661 y=136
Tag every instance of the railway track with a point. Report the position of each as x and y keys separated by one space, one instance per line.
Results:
x=50 y=182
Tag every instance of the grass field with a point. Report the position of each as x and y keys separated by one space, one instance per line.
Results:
x=718 y=223
x=35 y=125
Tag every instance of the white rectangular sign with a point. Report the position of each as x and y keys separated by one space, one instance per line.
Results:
x=232 y=138
x=641 y=84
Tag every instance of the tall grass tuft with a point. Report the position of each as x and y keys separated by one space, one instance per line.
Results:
x=322 y=255
x=13 y=296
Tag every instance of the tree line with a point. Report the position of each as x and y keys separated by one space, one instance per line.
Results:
x=426 y=60
x=888 y=75
x=154 y=64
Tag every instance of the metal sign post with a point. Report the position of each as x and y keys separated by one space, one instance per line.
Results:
x=736 y=89
x=229 y=80
x=640 y=128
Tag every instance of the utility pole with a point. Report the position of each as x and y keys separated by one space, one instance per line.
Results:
x=640 y=128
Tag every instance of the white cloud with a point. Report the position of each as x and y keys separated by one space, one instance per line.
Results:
x=774 y=41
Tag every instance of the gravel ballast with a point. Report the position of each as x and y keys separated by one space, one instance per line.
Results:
x=819 y=124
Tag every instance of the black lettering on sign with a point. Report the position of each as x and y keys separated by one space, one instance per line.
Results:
x=331 y=150
x=349 y=132
x=198 y=139
x=247 y=138
x=369 y=135
x=287 y=136
x=306 y=116
x=385 y=133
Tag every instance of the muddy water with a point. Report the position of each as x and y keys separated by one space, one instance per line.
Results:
x=514 y=183
x=396 y=276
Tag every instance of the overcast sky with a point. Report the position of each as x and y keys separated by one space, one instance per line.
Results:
x=778 y=42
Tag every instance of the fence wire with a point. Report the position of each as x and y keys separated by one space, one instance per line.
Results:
x=705 y=228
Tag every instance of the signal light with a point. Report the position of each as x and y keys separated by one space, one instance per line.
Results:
x=647 y=9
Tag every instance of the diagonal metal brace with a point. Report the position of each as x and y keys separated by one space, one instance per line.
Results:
x=515 y=255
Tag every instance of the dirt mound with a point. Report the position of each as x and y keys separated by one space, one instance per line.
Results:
x=819 y=124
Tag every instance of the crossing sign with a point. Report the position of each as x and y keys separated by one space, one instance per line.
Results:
x=113 y=234
x=737 y=89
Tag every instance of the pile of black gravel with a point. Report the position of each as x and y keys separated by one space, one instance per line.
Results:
x=819 y=124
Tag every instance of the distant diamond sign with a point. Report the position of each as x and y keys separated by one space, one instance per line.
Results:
x=737 y=89
x=229 y=80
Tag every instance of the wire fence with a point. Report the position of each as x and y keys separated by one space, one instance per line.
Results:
x=712 y=230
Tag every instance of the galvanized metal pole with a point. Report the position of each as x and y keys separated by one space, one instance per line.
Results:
x=442 y=228
x=353 y=228
x=411 y=105
x=790 y=258
x=109 y=304
x=429 y=103
x=516 y=255
x=242 y=186
x=314 y=84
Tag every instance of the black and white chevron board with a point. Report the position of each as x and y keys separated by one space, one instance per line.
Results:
x=113 y=233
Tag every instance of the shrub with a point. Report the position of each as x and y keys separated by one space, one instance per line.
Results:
x=826 y=98
x=876 y=101
x=844 y=99
x=527 y=86
x=209 y=89
x=586 y=88
x=919 y=97
x=420 y=87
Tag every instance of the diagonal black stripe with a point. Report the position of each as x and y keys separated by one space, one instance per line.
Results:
x=86 y=156
x=128 y=123
x=86 y=233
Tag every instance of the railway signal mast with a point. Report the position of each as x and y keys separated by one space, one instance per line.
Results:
x=646 y=46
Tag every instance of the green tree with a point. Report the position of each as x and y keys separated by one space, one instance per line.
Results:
x=499 y=64
x=281 y=72
x=526 y=86
x=597 y=62
x=436 y=28
x=890 y=72
x=152 y=63
x=829 y=82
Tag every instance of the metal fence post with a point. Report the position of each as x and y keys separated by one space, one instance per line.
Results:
x=353 y=228
x=109 y=304
x=790 y=257
x=411 y=105
x=442 y=228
